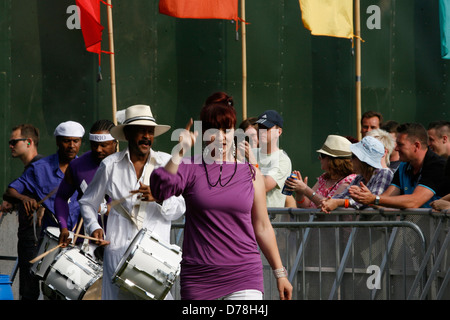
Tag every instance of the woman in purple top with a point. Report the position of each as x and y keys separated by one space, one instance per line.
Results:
x=80 y=173
x=226 y=214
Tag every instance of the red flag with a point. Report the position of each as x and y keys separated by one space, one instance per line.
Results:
x=200 y=9
x=90 y=24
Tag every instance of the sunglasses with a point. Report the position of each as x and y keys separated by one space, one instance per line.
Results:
x=13 y=142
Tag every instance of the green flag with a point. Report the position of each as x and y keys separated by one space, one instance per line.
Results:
x=444 y=21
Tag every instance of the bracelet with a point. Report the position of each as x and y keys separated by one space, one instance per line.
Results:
x=256 y=165
x=280 y=273
x=300 y=202
x=312 y=196
x=346 y=203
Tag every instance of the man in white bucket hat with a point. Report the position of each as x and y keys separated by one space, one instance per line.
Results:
x=124 y=177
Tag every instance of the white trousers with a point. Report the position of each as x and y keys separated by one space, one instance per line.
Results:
x=244 y=295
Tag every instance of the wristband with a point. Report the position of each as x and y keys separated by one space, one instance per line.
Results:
x=280 y=273
x=346 y=203
x=300 y=202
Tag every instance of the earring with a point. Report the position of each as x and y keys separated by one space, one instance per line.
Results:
x=205 y=152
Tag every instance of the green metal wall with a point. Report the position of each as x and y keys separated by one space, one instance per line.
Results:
x=47 y=76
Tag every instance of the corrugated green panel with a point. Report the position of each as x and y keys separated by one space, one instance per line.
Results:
x=5 y=92
x=174 y=64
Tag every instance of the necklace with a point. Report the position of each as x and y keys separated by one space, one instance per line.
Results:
x=219 y=180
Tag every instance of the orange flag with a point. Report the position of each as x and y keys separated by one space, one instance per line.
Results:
x=200 y=9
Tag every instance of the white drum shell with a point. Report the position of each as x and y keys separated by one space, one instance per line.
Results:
x=72 y=274
x=49 y=241
x=149 y=267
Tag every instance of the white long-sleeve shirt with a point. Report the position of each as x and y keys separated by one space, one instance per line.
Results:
x=116 y=177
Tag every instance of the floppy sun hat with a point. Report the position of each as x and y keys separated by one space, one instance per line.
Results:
x=369 y=150
x=336 y=147
x=138 y=115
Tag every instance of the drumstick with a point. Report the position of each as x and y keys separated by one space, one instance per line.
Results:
x=39 y=257
x=47 y=196
x=90 y=238
x=78 y=230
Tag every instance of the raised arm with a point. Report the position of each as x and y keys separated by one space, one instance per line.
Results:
x=186 y=141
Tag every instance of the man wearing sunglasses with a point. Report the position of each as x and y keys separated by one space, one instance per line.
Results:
x=23 y=143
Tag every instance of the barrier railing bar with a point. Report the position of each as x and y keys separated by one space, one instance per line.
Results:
x=426 y=259
x=342 y=264
x=444 y=285
x=341 y=267
x=435 y=268
x=299 y=255
x=385 y=260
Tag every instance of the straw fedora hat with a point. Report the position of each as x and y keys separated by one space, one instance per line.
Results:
x=138 y=115
x=336 y=147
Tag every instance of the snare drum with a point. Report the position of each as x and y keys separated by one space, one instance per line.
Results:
x=49 y=241
x=71 y=275
x=149 y=267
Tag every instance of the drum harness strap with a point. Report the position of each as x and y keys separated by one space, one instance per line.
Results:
x=137 y=216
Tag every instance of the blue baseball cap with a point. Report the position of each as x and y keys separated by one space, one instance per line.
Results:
x=270 y=118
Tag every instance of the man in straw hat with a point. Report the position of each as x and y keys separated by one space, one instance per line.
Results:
x=124 y=176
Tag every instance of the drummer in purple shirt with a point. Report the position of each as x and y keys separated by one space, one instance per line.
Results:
x=80 y=173
x=226 y=214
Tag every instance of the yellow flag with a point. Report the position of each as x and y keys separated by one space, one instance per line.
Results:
x=328 y=17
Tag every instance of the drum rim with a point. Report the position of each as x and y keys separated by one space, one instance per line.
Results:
x=85 y=288
x=129 y=254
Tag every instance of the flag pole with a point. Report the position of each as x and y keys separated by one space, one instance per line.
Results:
x=244 y=61
x=357 y=40
x=112 y=61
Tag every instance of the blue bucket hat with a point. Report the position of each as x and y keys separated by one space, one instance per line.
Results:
x=369 y=150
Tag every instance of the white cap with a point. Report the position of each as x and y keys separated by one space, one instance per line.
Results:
x=69 y=129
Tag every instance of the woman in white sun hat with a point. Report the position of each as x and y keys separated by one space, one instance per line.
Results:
x=366 y=158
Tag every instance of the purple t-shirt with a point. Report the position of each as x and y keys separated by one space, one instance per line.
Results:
x=220 y=252
x=83 y=170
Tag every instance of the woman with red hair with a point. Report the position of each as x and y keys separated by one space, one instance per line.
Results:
x=226 y=214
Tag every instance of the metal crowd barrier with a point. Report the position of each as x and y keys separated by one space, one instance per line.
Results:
x=367 y=254
x=351 y=254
